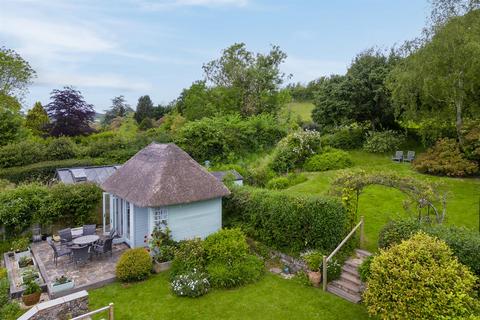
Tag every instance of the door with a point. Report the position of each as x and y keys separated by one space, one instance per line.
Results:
x=107 y=220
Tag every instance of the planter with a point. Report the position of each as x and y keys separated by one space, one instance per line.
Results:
x=315 y=278
x=33 y=263
x=63 y=286
x=19 y=255
x=36 y=278
x=31 y=299
x=161 y=266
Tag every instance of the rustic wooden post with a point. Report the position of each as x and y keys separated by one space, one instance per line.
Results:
x=324 y=276
x=362 y=235
x=110 y=311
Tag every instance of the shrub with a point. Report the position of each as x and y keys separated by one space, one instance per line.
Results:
x=384 y=141
x=292 y=151
x=21 y=153
x=245 y=270
x=10 y=311
x=396 y=231
x=287 y=222
x=286 y=181
x=346 y=138
x=189 y=256
x=313 y=259
x=445 y=158
x=20 y=244
x=161 y=245
x=226 y=245
x=228 y=137
x=3 y=273
x=329 y=159
x=419 y=279
x=191 y=284
x=134 y=265
x=364 y=268
x=31 y=287
x=334 y=268
x=41 y=171
x=4 y=291
x=60 y=149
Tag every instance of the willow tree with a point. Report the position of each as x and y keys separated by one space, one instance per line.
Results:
x=441 y=78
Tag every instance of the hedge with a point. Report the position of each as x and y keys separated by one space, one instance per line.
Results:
x=27 y=204
x=286 y=222
x=41 y=171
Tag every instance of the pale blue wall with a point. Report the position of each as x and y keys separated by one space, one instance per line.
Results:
x=197 y=219
x=141 y=217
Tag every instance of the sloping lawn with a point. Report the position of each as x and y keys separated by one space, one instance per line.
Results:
x=378 y=204
x=303 y=109
x=271 y=298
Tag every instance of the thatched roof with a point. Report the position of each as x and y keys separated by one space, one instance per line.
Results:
x=161 y=175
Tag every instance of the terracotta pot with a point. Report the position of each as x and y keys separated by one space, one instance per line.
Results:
x=315 y=278
x=31 y=299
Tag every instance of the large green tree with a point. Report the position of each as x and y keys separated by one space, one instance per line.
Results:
x=15 y=73
x=145 y=108
x=120 y=108
x=37 y=119
x=10 y=119
x=441 y=77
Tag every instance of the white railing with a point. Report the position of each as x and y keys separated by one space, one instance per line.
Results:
x=327 y=259
x=91 y=313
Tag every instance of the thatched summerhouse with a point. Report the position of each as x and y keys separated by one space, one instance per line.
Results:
x=160 y=185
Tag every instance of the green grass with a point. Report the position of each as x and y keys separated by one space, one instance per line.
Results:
x=303 y=109
x=378 y=204
x=271 y=298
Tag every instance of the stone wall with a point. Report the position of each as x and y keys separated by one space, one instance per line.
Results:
x=63 y=308
x=293 y=264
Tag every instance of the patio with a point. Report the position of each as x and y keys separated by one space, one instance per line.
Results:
x=97 y=272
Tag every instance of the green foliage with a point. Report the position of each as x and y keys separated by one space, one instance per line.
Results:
x=419 y=278
x=329 y=159
x=445 y=158
x=10 y=311
x=226 y=246
x=191 y=284
x=189 y=255
x=60 y=148
x=344 y=138
x=3 y=273
x=41 y=171
x=364 y=269
x=119 y=109
x=285 y=181
x=313 y=259
x=292 y=151
x=384 y=141
x=471 y=135
x=228 y=137
x=20 y=244
x=144 y=108
x=31 y=287
x=134 y=265
x=21 y=153
x=161 y=245
x=334 y=268
x=37 y=119
x=145 y=124
x=434 y=128
x=287 y=222
x=15 y=73
x=395 y=231
x=10 y=119
x=247 y=269
x=34 y=203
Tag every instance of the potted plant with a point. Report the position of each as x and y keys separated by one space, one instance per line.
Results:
x=313 y=259
x=25 y=261
x=30 y=274
x=31 y=294
x=62 y=283
x=20 y=248
x=161 y=247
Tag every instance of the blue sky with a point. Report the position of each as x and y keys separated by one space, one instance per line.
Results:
x=107 y=48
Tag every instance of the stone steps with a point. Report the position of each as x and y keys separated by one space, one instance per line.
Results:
x=349 y=286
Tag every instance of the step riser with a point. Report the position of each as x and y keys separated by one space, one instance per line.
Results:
x=354 y=281
x=355 y=298
x=351 y=271
x=346 y=289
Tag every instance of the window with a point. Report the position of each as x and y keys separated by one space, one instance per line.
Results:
x=160 y=217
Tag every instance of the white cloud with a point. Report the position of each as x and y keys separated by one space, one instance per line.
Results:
x=171 y=4
x=305 y=70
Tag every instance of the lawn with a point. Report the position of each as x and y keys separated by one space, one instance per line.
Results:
x=271 y=298
x=378 y=204
x=303 y=109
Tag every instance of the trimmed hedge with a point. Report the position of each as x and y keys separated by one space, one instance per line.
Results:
x=25 y=205
x=286 y=222
x=134 y=265
x=347 y=139
x=41 y=171
x=329 y=159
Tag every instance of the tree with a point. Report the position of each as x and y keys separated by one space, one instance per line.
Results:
x=144 y=108
x=256 y=78
x=440 y=79
x=10 y=119
x=69 y=113
x=37 y=119
x=146 y=124
x=15 y=73
x=119 y=108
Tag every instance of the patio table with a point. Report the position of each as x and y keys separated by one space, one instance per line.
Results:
x=83 y=240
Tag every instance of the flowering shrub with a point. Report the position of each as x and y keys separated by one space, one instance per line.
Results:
x=292 y=151
x=189 y=255
x=161 y=245
x=313 y=259
x=378 y=142
x=191 y=284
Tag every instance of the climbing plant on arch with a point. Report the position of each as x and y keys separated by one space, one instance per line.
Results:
x=426 y=198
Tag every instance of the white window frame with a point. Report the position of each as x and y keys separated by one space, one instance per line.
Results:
x=154 y=220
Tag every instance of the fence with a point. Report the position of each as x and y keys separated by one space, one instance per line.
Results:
x=91 y=313
x=327 y=259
